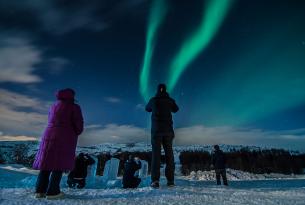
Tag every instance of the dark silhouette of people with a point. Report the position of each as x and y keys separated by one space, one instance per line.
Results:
x=130 y=168
x=162 y=133
x=78 y=175
x=219 y=164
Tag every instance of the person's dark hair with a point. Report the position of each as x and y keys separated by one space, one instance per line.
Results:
x=216 y=147
x=161 y=88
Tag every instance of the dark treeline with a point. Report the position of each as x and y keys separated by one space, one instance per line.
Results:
x=256 y=161
x=2 y=160
x=17 y=156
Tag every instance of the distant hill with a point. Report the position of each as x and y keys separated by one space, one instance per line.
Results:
x=188 y=158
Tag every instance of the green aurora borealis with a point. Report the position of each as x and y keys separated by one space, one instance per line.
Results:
x=212 y=18
x=156 y=17
x=259 y=78
x=213 y=15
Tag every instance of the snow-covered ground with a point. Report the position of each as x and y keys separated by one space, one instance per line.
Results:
x=237 y=175
x=17 y=187
x=17 y=183
x=192 y=193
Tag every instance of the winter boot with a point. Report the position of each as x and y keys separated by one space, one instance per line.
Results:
x=155 y=184
x=57 y=196
x=40 y=195
x=170 y=184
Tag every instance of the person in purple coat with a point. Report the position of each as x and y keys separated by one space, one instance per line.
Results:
x=56 y=152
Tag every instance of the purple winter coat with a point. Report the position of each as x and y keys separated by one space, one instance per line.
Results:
x=58 y=144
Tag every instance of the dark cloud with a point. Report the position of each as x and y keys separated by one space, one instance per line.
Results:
x=62 y=16
x=22 y=114
x=18 y=70
x=21 y=58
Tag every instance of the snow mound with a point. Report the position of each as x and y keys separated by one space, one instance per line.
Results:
x=237 y=175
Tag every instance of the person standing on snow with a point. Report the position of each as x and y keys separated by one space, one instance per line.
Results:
x=162 y=133
x=219 y=164
x=56 y=152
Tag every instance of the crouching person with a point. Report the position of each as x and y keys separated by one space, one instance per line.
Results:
x=78 y=175
x=130 y=168
x=219 y=164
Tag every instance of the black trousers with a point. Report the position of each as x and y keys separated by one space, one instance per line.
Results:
x=167 y=143
x=48 y=182
x=131 y=183
x=222 y=173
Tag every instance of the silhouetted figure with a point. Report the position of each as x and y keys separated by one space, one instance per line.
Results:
x=57 y=148
x=219 y=164
x=78 y=175
x=102 y=159
x=162 y=133
x=130 y=168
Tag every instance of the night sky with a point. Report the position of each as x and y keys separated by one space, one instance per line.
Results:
x=243 y=85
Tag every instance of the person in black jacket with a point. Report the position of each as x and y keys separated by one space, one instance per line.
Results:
x=79 y=173
x=219 y=164
x=130 y=168
x=162 y=133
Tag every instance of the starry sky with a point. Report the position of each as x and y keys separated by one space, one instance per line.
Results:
x=235 y=68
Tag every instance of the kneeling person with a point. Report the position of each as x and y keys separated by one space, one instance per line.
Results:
x=130 y=168
x=78 y=175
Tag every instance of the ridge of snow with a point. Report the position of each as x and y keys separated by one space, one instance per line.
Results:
x=7 y=148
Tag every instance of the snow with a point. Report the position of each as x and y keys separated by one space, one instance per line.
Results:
x=17 y=183
x=237 y=175
x=17 y=186
x=112 y=168
x=143 y=172
x=18 y=168
x=184 y=193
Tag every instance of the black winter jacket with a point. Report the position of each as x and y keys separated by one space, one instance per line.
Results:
x=162 y=107
x=219 y=159
x=130 y=168
x=81 y=165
